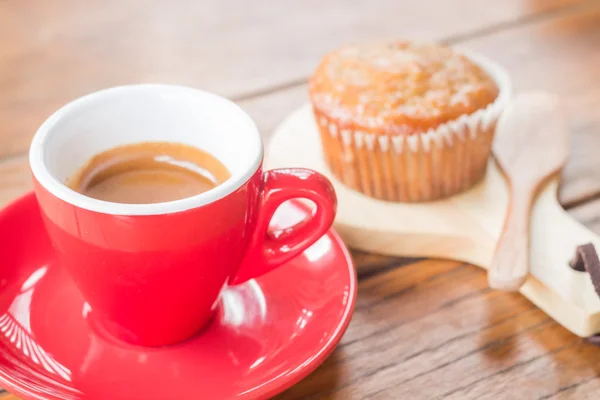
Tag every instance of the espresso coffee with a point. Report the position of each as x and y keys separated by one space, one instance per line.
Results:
x=149 y=172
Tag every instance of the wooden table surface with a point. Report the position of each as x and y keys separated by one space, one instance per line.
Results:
x=422 y=328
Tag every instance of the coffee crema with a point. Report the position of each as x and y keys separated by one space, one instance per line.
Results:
x=148 y=172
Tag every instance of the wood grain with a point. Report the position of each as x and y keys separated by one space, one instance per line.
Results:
x=15 y=179
x=55 y=51
x=423 y=328
x=434 y=329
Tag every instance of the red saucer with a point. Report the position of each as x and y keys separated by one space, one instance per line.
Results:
x=268 y=333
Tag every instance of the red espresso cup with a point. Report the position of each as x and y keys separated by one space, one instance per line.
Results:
x=152 y=274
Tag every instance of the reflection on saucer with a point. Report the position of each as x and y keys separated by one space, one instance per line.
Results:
x=319 y=249
x=244 y=304
x=15 y=328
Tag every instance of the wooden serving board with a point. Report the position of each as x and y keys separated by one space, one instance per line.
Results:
x=465 y=227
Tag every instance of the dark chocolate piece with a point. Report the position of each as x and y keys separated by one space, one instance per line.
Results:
x=586 y=260
x=577 y=262
x=587 y=255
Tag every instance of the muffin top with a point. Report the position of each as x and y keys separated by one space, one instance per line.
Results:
x=400 y=87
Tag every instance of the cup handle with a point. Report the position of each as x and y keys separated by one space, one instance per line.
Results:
x=269 y=250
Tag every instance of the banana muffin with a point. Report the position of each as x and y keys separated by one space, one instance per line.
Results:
x=406 y=121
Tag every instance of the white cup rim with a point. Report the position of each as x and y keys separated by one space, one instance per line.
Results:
x=62 y=192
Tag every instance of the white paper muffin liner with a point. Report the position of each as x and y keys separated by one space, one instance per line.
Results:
x=418 y=167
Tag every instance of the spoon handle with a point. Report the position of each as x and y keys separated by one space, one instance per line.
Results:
x=510 y=264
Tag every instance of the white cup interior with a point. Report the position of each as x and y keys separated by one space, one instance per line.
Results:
x=139 y=113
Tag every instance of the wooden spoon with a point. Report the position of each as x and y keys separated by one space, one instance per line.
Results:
x=531 y=145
